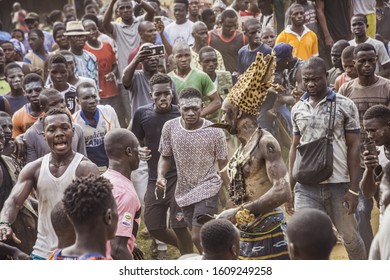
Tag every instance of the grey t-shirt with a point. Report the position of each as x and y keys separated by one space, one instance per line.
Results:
x=37 y=146
x=127 y=39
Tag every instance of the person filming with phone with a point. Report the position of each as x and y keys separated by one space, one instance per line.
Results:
x=137 y=81
x=152 y=32
x=376 y=122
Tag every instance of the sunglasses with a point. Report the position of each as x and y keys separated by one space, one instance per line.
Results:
x=37 y=89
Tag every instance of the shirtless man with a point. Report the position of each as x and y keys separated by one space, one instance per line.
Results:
x=48 y=176
x=258 y=176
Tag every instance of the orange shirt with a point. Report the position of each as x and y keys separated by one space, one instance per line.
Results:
x=304 y=46
x=22 y=120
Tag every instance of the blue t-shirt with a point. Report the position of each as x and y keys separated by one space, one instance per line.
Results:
x=246 y=56
x=16 y=102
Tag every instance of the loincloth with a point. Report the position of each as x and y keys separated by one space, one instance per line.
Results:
x=264 y=238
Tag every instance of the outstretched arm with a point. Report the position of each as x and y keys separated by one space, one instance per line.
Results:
x=107 y=25
x=148 y=9
x=128 y=72
x=20 y=192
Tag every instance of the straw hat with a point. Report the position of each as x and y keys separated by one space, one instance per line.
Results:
x=75 y=28
x=31 y=17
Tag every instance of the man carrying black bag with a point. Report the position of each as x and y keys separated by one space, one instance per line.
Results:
x=337 y=193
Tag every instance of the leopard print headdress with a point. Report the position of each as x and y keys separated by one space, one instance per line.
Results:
x=251 y=89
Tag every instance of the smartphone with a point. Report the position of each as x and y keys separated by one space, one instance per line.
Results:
x=371 y=148
x=157 y=19
x=157 y=50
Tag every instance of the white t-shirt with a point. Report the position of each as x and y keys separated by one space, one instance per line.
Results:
x=364 y=7
x=180 y=32
x=383 y=57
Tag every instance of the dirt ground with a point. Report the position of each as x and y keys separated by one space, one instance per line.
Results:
x=338 y=252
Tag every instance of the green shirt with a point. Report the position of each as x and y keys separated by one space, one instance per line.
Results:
x=4 y=86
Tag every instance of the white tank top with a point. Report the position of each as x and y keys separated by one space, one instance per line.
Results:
x=50 y=190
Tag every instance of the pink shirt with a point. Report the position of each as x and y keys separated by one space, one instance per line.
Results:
x=129 y=207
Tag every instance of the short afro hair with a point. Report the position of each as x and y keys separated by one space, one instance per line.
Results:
x=363 y=47
x=348 y=52
x=32 y=77
x=53 y=112
x=205 y=49
x=12 y=65
x=190 y=92
x=87 y=197
x=185 y=2
x=228 y=14
x=160 y=78
x=217 y=236
x=381 y=112
x=311 y=232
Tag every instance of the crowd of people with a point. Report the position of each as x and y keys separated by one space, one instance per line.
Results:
x=193 y=119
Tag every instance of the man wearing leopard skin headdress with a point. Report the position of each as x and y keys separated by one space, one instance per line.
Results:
x=259 y=183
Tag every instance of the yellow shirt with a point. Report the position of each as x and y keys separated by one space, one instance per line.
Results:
x=304 y=46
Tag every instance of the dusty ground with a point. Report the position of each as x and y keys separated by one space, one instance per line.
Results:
x=338 y=252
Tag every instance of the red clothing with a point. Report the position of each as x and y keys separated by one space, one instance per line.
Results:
x=132 y=55
x=245 y=15
x=105 y=57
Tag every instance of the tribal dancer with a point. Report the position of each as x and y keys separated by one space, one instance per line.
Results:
x=259 y=182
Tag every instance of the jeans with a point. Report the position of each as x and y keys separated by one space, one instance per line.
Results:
x=329 y=198
x=363 y=217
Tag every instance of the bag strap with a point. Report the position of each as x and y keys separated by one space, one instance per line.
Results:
x=332 y=109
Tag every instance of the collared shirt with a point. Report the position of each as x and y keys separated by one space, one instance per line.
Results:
x=304 y=45
x=312 y=123
x=106 y=120
x=96 y=117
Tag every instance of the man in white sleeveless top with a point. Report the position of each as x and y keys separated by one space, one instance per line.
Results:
x=49 y=176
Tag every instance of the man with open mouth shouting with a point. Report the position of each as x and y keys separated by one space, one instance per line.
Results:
x=48 y=176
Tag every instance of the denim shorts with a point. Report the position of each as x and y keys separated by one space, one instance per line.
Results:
x=206 y=206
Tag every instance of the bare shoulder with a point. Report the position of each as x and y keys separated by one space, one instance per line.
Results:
x=32 y=169
x=269 y=146
x=86 y=167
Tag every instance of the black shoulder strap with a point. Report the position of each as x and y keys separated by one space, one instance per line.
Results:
x=332 y=109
